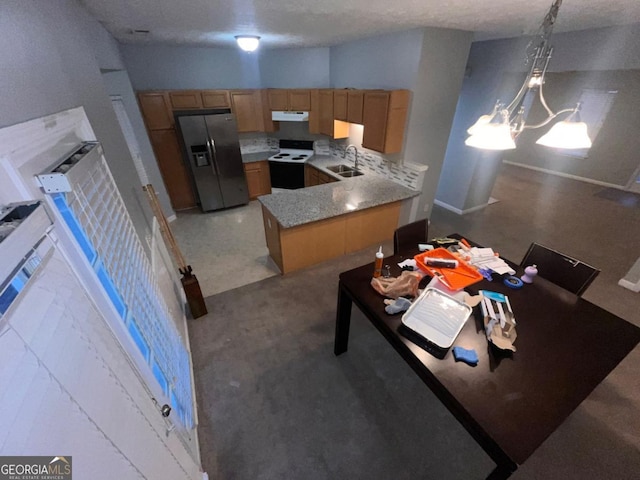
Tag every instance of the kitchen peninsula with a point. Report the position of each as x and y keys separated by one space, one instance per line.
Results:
x=309 y=225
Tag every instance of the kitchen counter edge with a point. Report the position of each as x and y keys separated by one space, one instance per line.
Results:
x=311 y=204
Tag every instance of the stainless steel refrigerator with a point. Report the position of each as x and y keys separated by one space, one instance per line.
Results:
x=212 y=149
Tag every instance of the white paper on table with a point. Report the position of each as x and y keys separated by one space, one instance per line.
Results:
x=409 y=262
x=477 y=252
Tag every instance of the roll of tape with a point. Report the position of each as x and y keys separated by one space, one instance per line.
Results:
x=513 y=282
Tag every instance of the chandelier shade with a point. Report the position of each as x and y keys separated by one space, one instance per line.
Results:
x=248 y=43
x=489 y=130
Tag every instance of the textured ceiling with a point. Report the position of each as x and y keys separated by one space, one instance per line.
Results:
x=313 y=23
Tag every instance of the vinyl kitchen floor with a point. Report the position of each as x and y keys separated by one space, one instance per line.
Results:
x=226 y=249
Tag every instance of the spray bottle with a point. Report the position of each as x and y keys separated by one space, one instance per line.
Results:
x=377 y=271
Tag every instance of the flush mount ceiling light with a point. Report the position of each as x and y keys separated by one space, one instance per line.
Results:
x=499 y=129
x=248 y=43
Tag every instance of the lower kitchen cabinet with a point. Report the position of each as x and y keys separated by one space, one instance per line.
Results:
x=310 y=176
x=258 y=179
x=313 y=176
x=311 y=243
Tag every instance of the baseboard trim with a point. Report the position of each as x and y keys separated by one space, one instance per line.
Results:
x=453 y=209
x=634 y=287
x=566 y=175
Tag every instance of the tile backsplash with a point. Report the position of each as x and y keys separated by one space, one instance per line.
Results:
x=410 y=175
x=249 y=143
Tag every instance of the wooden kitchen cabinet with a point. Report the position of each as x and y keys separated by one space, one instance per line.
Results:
x=355 y=103
x=384 y=120
x=174 y=172
x=185 y=99
x=314 y=176
x=216 y=99
x=310 y=176
x=258 y=178
x=328 y=124
x=299 y=100
x=268 y=125
x=281 y=99
x=314 y=112
x=158 y=117
x=311 y=243
x=247 y=107
x=325 y=178
x=340 y=105
x=277 y=99
x=156 y=110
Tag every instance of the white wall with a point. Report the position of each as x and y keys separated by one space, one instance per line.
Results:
x=383 y=61
x=295 y=68
x=171 y=67
x=52 y=63
x=163 y=67
x=117 y=83
x=435 y=95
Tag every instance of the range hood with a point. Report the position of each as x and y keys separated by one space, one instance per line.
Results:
x=290 y=116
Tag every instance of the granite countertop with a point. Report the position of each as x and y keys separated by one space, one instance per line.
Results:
x=257 y=156
x=305 y=205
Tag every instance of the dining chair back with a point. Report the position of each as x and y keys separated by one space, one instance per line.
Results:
x=563 y=270
x=407 y=237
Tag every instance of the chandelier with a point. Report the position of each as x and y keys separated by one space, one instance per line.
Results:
x=499 y=129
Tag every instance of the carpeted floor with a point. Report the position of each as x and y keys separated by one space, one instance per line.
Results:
x=275 y=403
x=626 y=199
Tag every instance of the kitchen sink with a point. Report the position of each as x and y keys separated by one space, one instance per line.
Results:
x=340 y=168
x=351 y=173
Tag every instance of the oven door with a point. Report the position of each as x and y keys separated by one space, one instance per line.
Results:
x=286 y=174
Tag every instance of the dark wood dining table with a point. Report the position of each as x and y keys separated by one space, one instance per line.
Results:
x=509 y=403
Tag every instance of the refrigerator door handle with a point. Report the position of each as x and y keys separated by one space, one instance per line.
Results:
x=212 y=152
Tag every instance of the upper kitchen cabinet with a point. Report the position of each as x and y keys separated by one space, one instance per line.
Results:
x=355 y=103
x=299 y=100
x=289 y=99
x=384 y=120
x=156 y=110
x=340 y=105
x=216 y=99
x=185 y=99
x=277 y=99
x=314 y=113
x=268 y=125
x=327 y=123
x=247 y=107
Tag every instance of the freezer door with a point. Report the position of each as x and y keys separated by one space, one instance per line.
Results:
x=223 y=134
x=199 y=155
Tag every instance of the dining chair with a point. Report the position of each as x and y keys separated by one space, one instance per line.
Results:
x=407 y=237
x=563 y=270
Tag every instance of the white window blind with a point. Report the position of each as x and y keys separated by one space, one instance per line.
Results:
x=119 y=260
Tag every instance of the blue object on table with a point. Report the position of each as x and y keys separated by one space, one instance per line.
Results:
x=469 y=357
x=486 y=273
x=513 y=282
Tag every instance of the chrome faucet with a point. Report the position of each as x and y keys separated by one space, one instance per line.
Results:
x=355 y=150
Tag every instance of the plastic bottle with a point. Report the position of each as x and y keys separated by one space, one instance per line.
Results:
x=377 y=271
x=529 y=274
